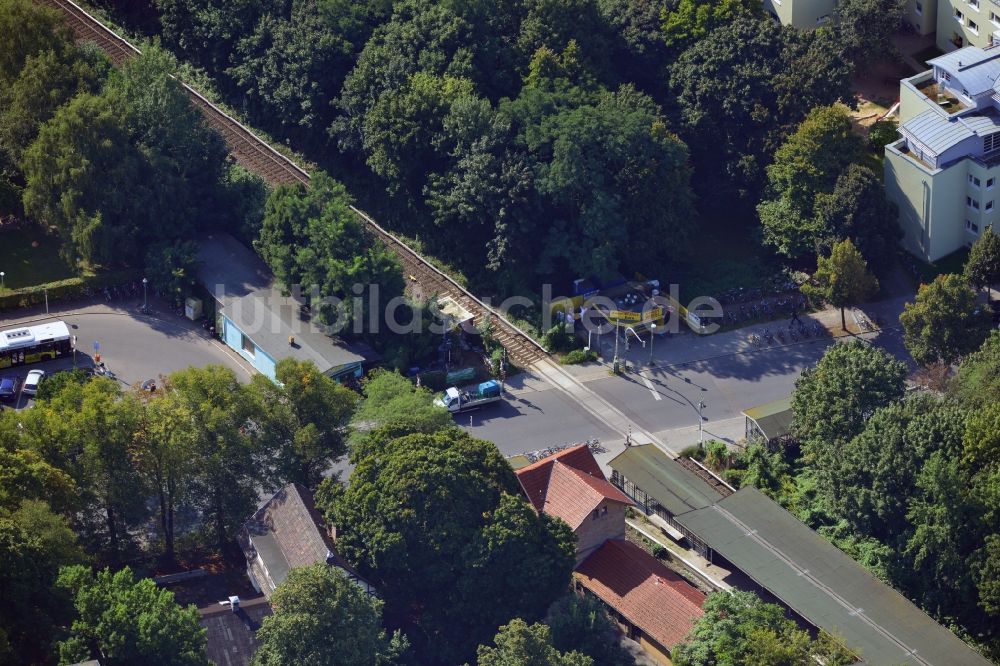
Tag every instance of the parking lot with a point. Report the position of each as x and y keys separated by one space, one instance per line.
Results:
x=134 y=346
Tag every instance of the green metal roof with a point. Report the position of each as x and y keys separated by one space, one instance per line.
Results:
x=823 y=585
x=664 y=479
x=774 y=418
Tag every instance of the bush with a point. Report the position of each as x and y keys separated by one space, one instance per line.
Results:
x=578 y=356
x=660 y=552
x=435 y=380
x=63 y=289
x=882 y=133
x=558 y=339
x=693 y=451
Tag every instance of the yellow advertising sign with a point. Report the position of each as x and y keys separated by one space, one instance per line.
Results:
x=625 y=315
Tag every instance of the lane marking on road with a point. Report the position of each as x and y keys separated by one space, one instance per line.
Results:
x=649 y=385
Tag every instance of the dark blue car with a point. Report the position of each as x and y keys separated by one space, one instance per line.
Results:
x=8 y=389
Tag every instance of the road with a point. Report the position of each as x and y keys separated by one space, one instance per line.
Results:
x=135 y=347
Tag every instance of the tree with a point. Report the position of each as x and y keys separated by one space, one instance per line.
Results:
x=686 y=21
x=521 y=644
x=738 y=628
x=25 y=475
x=944 y=323
x=982 y=268
x=807 y=164
x=124 y=621
x=882 y=133
x=741 y=90
x=857 y=209
x=207 y=31
x=312 y=238
x=309 y=414
x=877 y=470
x=172 y=268
x=978 y=377
x=833 y=400
x=393 y=403
x=30 y=30
x=430 y=519
x=581 y=624
x=321 y=618
x=166 y=455
x=865 y=27
x=231 y=452
x=841 y=279
x=47 y=81
x=34 y=543
x=291 y=67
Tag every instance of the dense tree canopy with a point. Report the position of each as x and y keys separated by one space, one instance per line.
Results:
x=982 y=268
x=434 y=519
x=521 y=644
x=312 y=240
x=841 y=279
x=944 y=322
x=322 y=618
x=738 y=628
x=123 y=621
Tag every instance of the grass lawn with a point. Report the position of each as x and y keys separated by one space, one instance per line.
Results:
x=25 y=265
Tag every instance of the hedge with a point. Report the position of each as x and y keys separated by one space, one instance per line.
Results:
x=63 y=289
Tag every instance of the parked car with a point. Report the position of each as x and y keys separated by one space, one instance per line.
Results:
x=31 y=382
x=8 y=388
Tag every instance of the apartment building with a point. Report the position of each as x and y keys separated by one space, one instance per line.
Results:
x=921 y=15
x=944 y=169
x=962 y=23
x=802 y=14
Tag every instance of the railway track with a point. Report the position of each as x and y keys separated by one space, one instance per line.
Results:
x=254 y=154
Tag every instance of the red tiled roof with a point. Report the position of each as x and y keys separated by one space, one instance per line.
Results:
x=641 y=588
x=535 y=477
x=568 y=484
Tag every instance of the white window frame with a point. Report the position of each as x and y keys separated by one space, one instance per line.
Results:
x=973 y=3
x=958 y=16
x=972 y=204
x=918 y=8
x=991 y=183
x=974 y=181
x=989 y=205
x=972 y=26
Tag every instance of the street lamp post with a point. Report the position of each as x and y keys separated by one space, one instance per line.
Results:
x=2 y=274
x=145 y=300
x=615 y=363
x=652 y=332
x=701 y=425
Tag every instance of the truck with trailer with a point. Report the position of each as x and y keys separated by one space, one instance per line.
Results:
x=457 y=400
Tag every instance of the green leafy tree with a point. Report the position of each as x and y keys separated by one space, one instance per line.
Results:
x=25 y=475
x=882 y=133
x=807 y=164
x=739 y=628
x=47 y=81
x=877 y=470
x=393 y=403
x=207 y=31
x=978 y=377
x=865 y=28
x=987 y=575
x=833 y=401
x=687 y=21
x=30 y=30
x=171 y=267
x=944 y=322
x=741 y=90
x=842 y=279
x=521 y=644
x=982 y=268
x=581 y=624
x=313 y=239
x=231 y=452
x=34 y=543
x=322 y=618
x=290 y=67
x=124 y=621
x=165 y=454
x=440 y=532
x=857 y=209
x=309 y=414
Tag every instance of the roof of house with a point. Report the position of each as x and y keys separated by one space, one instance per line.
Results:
x=641 y=588
x=774 y=418
x=664 y=479
x=245 y=290
x=232 y=637
x=822 y=584
x=568 y=484
x=978 y=68
x=936 y=132
x=285 y=533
